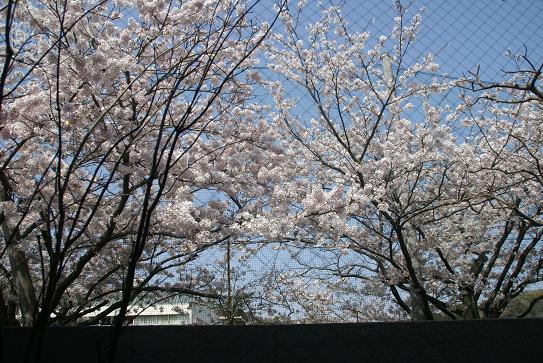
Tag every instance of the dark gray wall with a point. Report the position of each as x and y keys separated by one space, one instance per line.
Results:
x=448 y=341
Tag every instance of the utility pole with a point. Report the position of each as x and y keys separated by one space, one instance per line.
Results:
x=229 y=309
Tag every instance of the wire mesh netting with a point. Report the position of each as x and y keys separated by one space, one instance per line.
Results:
x=480 y=37
x=214 y=244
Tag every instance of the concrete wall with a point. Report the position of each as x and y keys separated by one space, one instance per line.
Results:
x=447 y=341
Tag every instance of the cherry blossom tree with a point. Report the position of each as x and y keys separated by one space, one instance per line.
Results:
x=416 y=208
x=114 y=117
x=506 y=115
x=131 y=144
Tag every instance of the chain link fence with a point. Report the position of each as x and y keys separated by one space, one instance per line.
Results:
x=463 y=36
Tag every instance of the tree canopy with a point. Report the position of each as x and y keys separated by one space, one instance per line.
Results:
x=132 y=142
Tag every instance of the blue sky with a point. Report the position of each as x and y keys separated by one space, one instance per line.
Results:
x=462 y=34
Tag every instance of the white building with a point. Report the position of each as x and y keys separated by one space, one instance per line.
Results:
x=180 y=310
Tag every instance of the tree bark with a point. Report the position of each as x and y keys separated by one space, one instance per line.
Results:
x=416 y=300
x=23 y=284
x=470 y=308
x=20 y=272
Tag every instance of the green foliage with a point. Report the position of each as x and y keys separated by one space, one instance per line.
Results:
x=521 y=303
